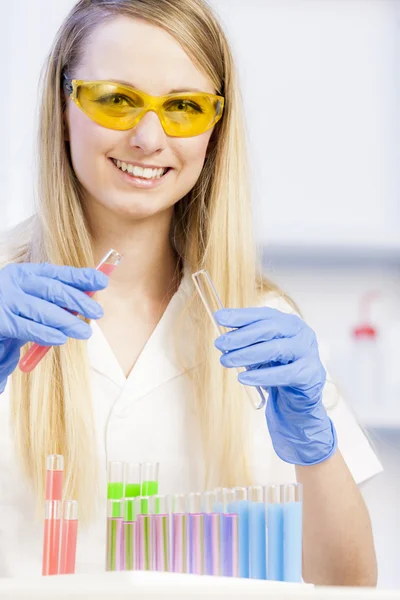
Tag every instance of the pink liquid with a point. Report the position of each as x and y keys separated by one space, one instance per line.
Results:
x=68 y=546
x=51 y=545
x=54 y=483
x=34 y=355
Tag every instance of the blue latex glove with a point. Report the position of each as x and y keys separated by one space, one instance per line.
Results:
x=282 y=353
x=32 y=299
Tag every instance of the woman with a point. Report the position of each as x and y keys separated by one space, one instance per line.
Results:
x=164 y=183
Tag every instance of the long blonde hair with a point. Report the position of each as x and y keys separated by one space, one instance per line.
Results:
x=211 y=227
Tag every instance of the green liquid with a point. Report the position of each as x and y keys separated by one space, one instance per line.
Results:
x=144 y=506
x=132 y=490
x=149 y=488
x=129 y=509
x=129 y=547
x=112 y=549
x=115 y=491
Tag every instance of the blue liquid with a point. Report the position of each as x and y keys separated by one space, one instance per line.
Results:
x=292 y=541
x=242 y=509
x=257 y=541
x=275 y=542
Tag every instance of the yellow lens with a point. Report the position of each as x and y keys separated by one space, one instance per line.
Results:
x=111 y=105
x=121 y=107
x=184 y=115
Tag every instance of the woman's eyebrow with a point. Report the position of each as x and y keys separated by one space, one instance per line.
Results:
x=174 y=91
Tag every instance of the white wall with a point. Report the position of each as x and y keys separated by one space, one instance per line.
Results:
x=321 y=90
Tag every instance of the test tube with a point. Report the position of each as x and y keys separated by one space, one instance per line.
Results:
x=274 y=523
x=36 y=352
x=230 y=545
x=292 y=531
x=212 y=303
x=257 y=533
x=195 y=533
x=144 y=535
x=51 y=541
x=159 y=508
x=132 y=477
x=179 y=534
x=115 y=486
x=129 y=534
x=54 y=476
x=69 y=535
x=240 y=506
x=212 y=535
x=149 y=481
x=115 y=548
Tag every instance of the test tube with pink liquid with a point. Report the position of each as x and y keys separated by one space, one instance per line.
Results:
x=34 y=355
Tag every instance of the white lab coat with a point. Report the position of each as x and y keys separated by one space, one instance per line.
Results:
x=147 y=417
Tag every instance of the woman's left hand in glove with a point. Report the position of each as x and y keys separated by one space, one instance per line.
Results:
x=281 y=353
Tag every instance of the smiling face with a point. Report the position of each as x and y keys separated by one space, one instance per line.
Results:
x=114 y=166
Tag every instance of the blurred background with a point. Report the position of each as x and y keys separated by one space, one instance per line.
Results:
x=321 y=88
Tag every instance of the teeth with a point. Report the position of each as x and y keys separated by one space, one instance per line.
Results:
x=136 y=171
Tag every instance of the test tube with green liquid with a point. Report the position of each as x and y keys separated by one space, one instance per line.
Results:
x=115 y=486
x=132 y=479
x=144 y=534
x=115 y=549
x=149 y=480
x=129 y=534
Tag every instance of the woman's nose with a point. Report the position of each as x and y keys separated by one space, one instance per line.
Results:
x=148 y=134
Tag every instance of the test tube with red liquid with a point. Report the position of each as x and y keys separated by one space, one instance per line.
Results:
x=36 y=352
x=51 y=541
x=69 y=534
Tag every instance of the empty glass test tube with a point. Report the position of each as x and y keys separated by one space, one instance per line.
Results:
x=36 y=352
x=212 y=303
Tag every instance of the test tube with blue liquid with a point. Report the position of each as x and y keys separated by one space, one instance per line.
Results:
x=274 y=524
x=240 y=506
x=257 y=533
x=292 y=531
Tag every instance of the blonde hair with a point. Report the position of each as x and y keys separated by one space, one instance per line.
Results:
x=211 y=228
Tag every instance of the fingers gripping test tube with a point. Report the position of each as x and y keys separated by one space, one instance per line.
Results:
x=212 y=303
x=34 y=355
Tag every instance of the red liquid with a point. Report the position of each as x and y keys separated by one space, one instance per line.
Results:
x=68 y=546
x=34 y=355
x=54 y=483
x=51 y=544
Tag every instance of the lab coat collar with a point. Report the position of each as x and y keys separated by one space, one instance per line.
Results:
x=157 y=363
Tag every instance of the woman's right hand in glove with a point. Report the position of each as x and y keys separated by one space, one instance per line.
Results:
x=32 y=302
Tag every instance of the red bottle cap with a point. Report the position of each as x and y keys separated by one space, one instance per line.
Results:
x=365 y=331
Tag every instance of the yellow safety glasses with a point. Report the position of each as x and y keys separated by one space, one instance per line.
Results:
x=121 y=107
